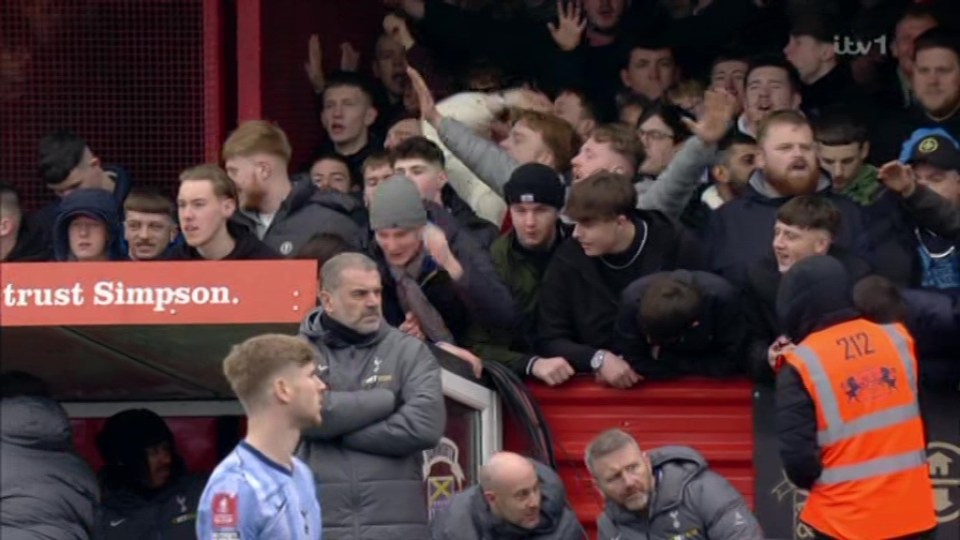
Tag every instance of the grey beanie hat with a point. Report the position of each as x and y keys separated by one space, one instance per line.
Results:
x=396 y=204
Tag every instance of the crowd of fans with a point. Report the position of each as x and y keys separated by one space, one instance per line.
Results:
x=608 y=187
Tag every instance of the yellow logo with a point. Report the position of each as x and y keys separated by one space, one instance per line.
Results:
x=928 y=145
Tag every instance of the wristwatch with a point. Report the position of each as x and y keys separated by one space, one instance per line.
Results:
x=597 y=361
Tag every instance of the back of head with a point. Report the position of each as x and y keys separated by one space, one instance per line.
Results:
x=815 y=290
x=58 y=154
x=837 y=126
x=605 y=444
x=879 y=300
x=396 y=204
x=322 y=247
x=251 y=366
x=811 y=212
x=257 y=137
x=558 y=135
x=668 y=308
x=22 y=384
x=602 y=196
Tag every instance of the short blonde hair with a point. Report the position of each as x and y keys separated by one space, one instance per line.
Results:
x=251 y=364
x=257 y=136
x=223 y=187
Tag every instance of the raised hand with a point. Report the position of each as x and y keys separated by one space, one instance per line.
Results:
x=898 y=178
x=571 y=23
x=396 y=27
x=719 y=108
x=428 y=107
x=314 y=64
x=349 y=57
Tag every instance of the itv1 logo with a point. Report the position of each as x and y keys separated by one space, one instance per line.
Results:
x=847 y=46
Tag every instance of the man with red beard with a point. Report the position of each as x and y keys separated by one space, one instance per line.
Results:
x=741 y=231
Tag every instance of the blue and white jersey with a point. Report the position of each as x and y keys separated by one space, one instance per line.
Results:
x=250 y=497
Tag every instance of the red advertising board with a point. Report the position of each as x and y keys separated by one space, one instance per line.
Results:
x=230 y=292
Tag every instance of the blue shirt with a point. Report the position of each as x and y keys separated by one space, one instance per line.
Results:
x=250 y=497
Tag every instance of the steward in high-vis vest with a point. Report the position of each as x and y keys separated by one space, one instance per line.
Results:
x=848 y=419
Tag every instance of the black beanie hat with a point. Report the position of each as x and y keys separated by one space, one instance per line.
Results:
x=535 y=183
x=126 y=435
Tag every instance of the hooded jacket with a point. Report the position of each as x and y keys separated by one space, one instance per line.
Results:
x=814 y=294
x=468 y=516
x=247 y=247
x=128 y=510
x=741 y=231
x=714 y=347
x=688 y=501
x=308 y=211
x=95 y=203
x=42 y=223
x=384 y=408
x=578 y=311
x=48 y=492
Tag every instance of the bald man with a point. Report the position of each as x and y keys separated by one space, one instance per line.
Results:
x=518 y=498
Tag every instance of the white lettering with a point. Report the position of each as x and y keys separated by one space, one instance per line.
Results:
x=59 y=296
x=159 y=298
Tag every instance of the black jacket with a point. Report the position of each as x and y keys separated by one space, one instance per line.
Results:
x=483 y=231
x=247 y=247
x=578 y=312
x=715 y=347
x=760 y=305
x=815 y=294
x=480 y=295
x=170 y=514
x=834 y=90
x=888 y=139
x=741 y=231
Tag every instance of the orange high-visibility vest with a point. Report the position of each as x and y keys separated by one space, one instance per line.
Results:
x=875 y=484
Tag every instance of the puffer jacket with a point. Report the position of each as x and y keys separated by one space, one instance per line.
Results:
x=468 y=516
x=170 y=514
x=48 y=492
x=689 y=501
x=385 y=407
x=308 y=211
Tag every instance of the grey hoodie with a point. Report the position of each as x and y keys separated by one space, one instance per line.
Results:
x=669 y=194
x=48 y=492
x=468 y=516
x=689 y=501
x=385 y=406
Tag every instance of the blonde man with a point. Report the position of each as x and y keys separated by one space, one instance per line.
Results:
x=260 y=490
x=283 y=213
